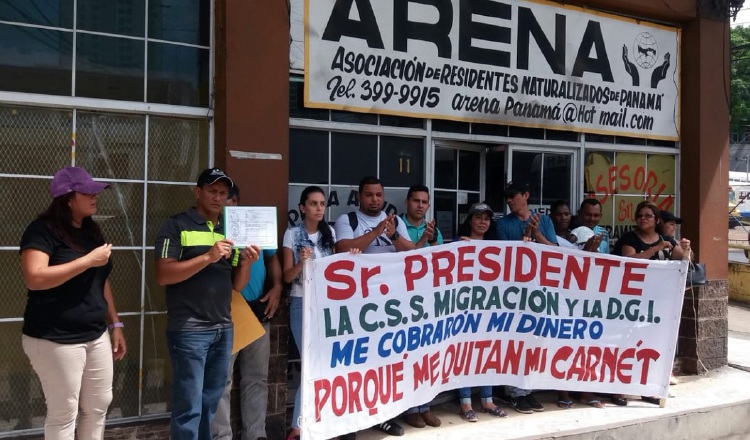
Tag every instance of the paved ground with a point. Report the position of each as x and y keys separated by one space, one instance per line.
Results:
x=694 y=394
x=739 y=336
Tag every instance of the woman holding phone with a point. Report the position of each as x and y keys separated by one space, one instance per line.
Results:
x=313 y=238
x=66 y=266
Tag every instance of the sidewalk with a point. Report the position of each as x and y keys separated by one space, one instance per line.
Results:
x=710 y=407
x=713 y=406
x=739 y=336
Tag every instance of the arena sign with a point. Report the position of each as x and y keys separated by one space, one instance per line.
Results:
x=387 y=332
x=533 y=64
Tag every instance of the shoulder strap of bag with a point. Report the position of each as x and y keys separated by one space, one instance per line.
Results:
x=353 y=220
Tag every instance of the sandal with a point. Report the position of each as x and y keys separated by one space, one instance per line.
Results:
x=620 y=401
x=469 y=415
x=565 y=404
x=495 y=411
x=596 y=403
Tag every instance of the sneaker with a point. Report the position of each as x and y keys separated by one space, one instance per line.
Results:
x=390 y=427
x=414 y=419
x=430 y=419
x=651 y=399
x=534 y=404
x=520 y=404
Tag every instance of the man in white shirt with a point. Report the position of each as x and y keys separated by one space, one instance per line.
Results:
x=370 y=228
x=374 y=232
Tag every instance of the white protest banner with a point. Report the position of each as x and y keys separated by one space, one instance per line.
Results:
x=386 y=332
x=526 y=63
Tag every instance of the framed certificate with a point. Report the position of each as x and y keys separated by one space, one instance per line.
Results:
x=246 y=225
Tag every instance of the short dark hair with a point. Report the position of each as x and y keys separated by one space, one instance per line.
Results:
x=369 y=180
x=592 y=202
x=556 y=204
x=517 y=187
x=234 y=191
x=417 y=188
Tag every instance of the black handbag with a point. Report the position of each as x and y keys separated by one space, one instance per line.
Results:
x=696 y=274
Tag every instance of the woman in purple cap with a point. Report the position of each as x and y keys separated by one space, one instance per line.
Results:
x=66 y=266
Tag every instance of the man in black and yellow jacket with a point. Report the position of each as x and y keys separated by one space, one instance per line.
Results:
x=199 y=268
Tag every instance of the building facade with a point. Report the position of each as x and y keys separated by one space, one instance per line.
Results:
x=146 y=93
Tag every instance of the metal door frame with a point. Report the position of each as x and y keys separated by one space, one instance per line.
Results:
x=576 y=183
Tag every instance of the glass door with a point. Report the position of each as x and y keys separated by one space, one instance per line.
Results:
x=549 y=172
x=458 y=177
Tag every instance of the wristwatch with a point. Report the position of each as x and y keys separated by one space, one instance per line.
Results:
x=395 y=236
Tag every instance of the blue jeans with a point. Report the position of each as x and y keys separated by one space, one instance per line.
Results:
x=200 y=361
x=295 y=322
x=485 y=395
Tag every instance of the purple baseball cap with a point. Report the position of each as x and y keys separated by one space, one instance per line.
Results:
x=70 y=179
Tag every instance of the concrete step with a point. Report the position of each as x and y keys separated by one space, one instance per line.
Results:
x=714 y=406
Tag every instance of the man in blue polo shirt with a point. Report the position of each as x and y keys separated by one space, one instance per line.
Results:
x=423 y=234
x=253 y=359
x=516 y=225
x=199 y=268
x=521 y=221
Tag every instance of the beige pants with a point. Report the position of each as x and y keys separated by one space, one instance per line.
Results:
x=74 y=377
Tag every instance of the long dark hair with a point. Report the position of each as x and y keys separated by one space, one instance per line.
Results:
x=59 y=219
x=325 y=230
x=464 y=229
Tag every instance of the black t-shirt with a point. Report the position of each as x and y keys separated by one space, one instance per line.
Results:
x=75 y=311
x=631 y=239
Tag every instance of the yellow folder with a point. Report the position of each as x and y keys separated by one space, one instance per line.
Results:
x=247 y=328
